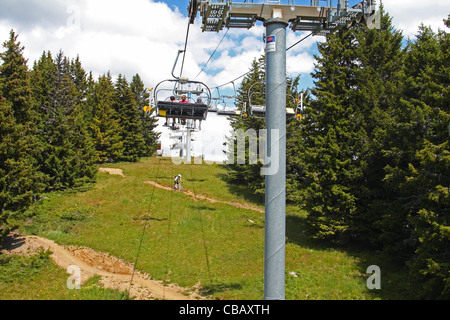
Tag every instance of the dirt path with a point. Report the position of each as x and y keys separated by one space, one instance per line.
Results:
x=197 y=197
x=114 y=273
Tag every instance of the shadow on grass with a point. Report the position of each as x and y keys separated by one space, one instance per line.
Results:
x=160 y=178
x=11 y=242
x=195 y=180
x=241 y=191
x=202 y=208
x=147 y=217
x=395 y=280
x=211 y=289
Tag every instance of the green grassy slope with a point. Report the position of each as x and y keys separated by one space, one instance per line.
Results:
x=197 y=243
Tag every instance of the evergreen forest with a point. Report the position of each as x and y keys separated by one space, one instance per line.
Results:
x=369 y=160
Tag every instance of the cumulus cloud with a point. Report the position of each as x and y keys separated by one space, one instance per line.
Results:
x=127 y=37
x=30 y=13
x=407 y=15
x=143 y=36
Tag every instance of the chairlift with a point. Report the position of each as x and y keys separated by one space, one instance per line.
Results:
x=259 y=110
x=194 y=109
x=197 y=94
x=213 y=106
x=229 y=111
x=233 y=111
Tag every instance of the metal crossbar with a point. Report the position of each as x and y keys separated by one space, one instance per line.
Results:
x=317 y=18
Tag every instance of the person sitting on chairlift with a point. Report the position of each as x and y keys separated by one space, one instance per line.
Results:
x=172 y=99
x=199 y=101
x=183 y=99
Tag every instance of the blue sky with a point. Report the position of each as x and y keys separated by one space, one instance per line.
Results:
x=144 y=36
x=306 y=82
x=402 y=17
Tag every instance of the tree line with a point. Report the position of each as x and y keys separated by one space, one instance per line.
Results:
x=57 y=123
x=370 y=160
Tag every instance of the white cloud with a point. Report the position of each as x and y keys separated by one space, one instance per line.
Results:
x=407 y=15
x=129 y=37
x=142 y=36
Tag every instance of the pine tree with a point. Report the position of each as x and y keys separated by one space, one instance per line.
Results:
x=68 y=158
x=19 y=179
x=14 y=79
x=104 y=126
x=332 y=140
x=422 y=176
x=125 y=107
x=376 y=96
x=147 y=120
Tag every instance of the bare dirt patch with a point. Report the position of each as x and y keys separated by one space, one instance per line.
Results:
x=114 y=272
x=112 y=171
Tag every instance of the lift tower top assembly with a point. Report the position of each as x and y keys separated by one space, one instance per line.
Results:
x=320 y=20
x=276 y=17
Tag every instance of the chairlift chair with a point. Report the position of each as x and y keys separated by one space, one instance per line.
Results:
x=177 y=110
x=259 y=110
x=232 y=112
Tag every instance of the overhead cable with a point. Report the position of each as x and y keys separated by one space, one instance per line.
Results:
x=185 y=47
x=299 y=42
x=304 y=38
x=213 y=53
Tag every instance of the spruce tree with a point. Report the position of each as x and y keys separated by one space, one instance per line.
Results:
x=376 y=96
x=14 y=79
x=422 y=174
x=130 y=128
x=104 y=126
x=248 y=175
x=148 y=121
x=19 y=179
x=332 y=141
x=68 y=158
x=346 y=135
x=81 y=83
x=294 y=142
x=252 y=92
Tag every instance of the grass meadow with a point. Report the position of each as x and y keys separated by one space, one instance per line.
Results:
x=213 y=246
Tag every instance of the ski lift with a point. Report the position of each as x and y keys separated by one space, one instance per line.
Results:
x=197 y=95
x=197 y=98
x=229 y=111
x=259 y=109
x=213 y=106
x=233 y=111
